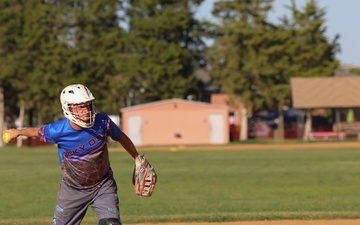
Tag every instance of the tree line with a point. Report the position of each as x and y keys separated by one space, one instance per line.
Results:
x=136 y=51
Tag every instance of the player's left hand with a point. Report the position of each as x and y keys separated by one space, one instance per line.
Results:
x=144 y=177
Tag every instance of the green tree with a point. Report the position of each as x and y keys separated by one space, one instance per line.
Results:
x=49 y=44
x=11 y=29
x=309 y=50
x=255 y=58
x=165 y=46
x=247 y=56
x=43 y=56
x=36 y=61
x=97 y=43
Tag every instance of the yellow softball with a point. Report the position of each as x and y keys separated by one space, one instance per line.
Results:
x=6 y=137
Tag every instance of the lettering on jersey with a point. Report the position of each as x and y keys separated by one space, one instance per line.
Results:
x=74 y=152
x=81 y=148
x=95 y=140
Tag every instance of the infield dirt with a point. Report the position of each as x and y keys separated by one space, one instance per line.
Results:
x=282 y=222
x=237 y=147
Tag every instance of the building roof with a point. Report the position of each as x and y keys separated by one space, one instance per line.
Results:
x=173 y=100
x=325 y=92
x=233 y=101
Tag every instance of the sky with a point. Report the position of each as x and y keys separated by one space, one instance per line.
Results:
x=342 y=17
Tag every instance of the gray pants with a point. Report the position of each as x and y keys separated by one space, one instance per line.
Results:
x=72 y=203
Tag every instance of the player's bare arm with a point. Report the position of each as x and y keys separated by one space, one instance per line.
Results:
x=29 y=132
x=128 y=145
x=144 y=176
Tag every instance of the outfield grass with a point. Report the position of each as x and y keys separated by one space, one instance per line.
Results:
x=197 y=186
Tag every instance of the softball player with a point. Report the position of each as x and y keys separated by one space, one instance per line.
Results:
x=81 y=138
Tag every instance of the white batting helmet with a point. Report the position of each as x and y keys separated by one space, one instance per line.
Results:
x=75 y=95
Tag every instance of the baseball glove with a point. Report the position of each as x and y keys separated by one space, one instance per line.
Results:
x=144 y=177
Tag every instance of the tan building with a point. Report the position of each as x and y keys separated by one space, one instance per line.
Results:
x=340 y=93
x=176 y=122
x=325 y=92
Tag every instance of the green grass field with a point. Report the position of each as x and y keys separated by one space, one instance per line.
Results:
x=196 y=185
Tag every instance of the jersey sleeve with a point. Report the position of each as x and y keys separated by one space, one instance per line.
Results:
x=114 y=131
x=45 y=134
x=51 y=132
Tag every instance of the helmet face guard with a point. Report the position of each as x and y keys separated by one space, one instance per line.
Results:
x=78 y=105
x=84 y=112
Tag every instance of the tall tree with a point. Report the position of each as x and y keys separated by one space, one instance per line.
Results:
x=310 y=51
x=246 y=54
x=49 y=44
x=44 y=59
x=97 y=44
x=36 y=61
x=255 y=58
x=165 y=48
x=11 y=29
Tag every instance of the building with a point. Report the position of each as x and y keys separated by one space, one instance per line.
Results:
x=339 y=93
x=176 y=122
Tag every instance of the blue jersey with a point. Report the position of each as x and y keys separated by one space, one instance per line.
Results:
x=83 y=154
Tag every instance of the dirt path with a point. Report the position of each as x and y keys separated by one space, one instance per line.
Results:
x=275 y=146
x=281 y=222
